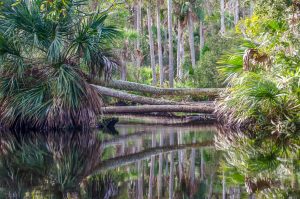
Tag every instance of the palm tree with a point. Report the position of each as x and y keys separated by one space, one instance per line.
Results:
x=171 y=57
x=48 y=57
x=151 y=44
x=222 y=11
x=159 y=44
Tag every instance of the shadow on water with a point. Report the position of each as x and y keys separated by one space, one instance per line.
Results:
x=145 y=161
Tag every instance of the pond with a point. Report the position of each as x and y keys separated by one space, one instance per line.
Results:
x=137 y=161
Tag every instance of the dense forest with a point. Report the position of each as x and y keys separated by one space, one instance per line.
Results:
x=81 y=65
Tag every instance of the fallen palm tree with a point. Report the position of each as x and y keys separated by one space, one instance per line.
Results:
x=199 y=108
x=132 y=86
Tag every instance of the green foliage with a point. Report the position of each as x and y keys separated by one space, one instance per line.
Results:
x=48 y=50
x=206 y=73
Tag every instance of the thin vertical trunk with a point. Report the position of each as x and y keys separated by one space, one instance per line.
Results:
x=202 y=164
x=159 y=45
x=251 y=7
x=222 y=4
x=138 y=29
x=152 y=164
x=236 y=12
x=191 y=38
x=171 y=177
x=151 y=44
x=123 y=70
x=202 y=38
x=224 y=186
x=171 y=65
x=160 y=169
x=178 y=62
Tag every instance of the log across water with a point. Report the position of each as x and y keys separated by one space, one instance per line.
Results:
x=199 y=108
x=132 y=86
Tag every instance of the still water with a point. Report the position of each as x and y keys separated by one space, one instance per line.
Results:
x=139 y=161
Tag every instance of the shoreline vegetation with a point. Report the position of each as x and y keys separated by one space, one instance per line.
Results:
x=74 y=65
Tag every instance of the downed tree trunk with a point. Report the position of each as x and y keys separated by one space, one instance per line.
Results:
x=199 y=108
x=133 y=118
x=124 y=160
x=134 y=98
x=132 y=86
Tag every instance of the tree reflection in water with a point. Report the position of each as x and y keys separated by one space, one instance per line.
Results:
x=265 y=163
x=148 y=162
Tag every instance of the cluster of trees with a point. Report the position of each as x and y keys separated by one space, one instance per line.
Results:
x=170 y=36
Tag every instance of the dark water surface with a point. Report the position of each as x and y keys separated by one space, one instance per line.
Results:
x=141 y=161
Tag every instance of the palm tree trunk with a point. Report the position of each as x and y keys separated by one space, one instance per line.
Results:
x=192 y=166
x=136 y=87
x=199 y=108
x=222 y=4
x=179 y=69
x=171 y=57
x=236 y=12
x=191 y=38
x=138 y=29
x=202 y=38
x=151 y=44
x=159 y=45
x=152 y=164
x=251 y=7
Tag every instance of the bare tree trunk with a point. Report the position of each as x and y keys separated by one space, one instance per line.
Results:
x=179 y=68
x=152 y=164
x=138 y=29
x=222 y=4
x=151 y=44
x=123 y=70
x=171 y=57
x=236 y=12
x=171 y=177
x=251 y=7
x=133 y=98
x=136 y=87
x=160 y=168
x=202 y=36
x=159 y=45
x=191 y=37
x=200 y=108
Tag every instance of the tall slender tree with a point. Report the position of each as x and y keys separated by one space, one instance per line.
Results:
x=159 y=44
x=236 y=11
x=151 y=44
x=171 y=57
x=222 y=11
x=191 y=36
x=139 y=31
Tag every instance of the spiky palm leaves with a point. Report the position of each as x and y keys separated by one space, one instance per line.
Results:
x=47 y=60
